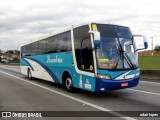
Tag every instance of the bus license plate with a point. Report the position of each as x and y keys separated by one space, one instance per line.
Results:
x=124 y=84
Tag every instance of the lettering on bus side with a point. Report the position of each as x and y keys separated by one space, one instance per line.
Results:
x=54 y=60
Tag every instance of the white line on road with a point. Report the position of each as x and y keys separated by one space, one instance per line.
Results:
x=73 y=98
x=144 y=91
x=150 y=82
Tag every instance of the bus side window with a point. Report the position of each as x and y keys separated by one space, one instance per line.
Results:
x=23 y=51
x=87 y=56
x=64 y=42
x=60 y=46
x=83 y=51
x=67 y=40
x=40 y=47
x=51 y=44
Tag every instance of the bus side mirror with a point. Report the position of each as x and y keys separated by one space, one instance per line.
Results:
x=140 y=42
x=145 y=43
x=96 y=37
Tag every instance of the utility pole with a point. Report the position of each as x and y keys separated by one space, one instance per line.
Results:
x=152 y=45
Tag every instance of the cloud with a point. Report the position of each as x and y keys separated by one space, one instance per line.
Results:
x=22 y=20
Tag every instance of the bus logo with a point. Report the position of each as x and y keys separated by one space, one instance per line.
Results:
x=54 y=60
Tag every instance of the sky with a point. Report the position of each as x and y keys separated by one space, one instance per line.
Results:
x=22 y=21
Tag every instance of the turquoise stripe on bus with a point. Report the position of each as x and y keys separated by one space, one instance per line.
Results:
x=47 y=69
x=28 y=64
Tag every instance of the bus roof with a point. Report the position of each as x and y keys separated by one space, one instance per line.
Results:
x=61 y=31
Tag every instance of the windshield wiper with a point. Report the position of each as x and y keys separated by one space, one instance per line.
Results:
x=130 y=62
x=123 y=55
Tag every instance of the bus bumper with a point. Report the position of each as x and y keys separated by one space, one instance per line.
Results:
x=103 y=85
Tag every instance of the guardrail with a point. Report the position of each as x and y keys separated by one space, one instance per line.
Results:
x=152 y=75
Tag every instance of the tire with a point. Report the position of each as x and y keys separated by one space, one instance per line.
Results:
x=68 y=84
x=29 y=74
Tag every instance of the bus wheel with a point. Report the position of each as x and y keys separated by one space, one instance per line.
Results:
x=68 y=84
x=29 y=74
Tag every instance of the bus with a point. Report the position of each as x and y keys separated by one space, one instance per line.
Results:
x=95 y=57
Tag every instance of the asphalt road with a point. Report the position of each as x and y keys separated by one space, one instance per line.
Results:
x=17 y=93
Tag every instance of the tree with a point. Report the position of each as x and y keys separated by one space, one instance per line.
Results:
x=157 y=48
x=9 y=52
x=16 y=52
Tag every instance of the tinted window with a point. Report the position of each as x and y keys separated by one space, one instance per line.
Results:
x=51 y=46
x=124 y=32
x=61 y=43
x=79 y=34
x=64 y=42
x=67 y=41
x=23 y=51
x=29 y=50
x=41 y=47
x=107 y=30
x=57 y=43
x=33 y=49
x=83 y=51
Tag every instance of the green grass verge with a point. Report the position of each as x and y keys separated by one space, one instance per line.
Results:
x=149 y=62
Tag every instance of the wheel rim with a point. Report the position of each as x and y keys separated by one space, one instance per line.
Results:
x=68 y=83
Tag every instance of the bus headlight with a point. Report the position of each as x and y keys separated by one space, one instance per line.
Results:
x=137 y=74
x=102 y=76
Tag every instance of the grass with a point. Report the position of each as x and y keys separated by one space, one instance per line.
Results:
x=149 y=62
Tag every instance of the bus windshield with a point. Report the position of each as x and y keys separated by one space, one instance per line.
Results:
x=116 y=48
